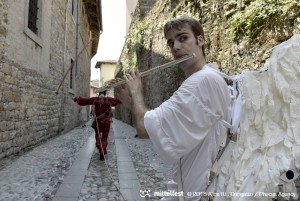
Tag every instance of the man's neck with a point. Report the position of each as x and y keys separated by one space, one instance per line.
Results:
x=188 y=72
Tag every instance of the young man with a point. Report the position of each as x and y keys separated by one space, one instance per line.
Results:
x=187 y=129
x=102 y=113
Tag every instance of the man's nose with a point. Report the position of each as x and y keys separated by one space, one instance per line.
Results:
x=177 y=45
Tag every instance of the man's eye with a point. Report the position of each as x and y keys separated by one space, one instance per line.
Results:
x=182 y=39
x=170 y=44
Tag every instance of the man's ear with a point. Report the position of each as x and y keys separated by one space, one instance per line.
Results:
x=200 y=40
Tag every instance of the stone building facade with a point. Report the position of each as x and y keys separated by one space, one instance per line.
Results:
x=107 y=70
x=39 y=41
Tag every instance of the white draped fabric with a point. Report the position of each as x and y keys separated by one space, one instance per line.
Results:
x=268 y=142
x=189 y=126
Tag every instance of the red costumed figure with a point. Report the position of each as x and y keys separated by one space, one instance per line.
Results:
x=102 y=112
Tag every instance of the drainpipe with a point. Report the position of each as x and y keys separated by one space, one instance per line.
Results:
x=62 y=106
x=77 y=37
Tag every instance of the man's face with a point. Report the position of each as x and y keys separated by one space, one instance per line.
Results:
x=182 y=42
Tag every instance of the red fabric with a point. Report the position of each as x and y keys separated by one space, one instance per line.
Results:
x=102 y=111
x=103 y=127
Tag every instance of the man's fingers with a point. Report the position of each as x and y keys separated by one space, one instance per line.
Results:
x=128 y=77
x=137 y=73
x=134 y=74
x=123 y=86
x=131 y=75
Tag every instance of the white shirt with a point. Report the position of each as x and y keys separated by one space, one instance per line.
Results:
x=188 y=126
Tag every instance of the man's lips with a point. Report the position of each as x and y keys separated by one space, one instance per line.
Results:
x=179 y=56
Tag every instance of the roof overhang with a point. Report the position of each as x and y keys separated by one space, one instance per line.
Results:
x=99 y=63
x=94 y=15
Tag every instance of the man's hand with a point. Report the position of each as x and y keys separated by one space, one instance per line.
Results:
x=134 y=82
x=133 y=92
x=132 y=97
x=123 y=93
x=75 y=99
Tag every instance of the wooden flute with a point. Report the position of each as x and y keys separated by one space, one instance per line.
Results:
x=147 y=72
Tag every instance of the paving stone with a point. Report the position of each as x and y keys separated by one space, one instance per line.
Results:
x=38 y=174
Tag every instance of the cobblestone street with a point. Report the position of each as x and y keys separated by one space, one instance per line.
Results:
x=37 y=174
x=43 y=173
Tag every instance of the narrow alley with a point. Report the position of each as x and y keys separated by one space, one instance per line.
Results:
x=67 y=168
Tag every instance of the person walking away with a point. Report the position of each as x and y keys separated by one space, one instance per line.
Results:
x=102 y=117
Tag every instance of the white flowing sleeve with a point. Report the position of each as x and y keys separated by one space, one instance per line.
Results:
x=181 y=123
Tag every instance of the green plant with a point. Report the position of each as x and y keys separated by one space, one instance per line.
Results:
x=263 y=14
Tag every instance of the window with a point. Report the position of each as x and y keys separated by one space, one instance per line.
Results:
x=34 y=19
x=33 y=16
x=37 y=35
x=72 y=75
x=73 y=7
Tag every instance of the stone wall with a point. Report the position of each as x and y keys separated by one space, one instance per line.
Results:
x=239 y=35
x=145 y=5
x=30 y=110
